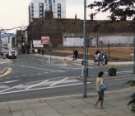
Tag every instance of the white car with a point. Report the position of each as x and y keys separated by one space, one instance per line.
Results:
x=9 y=53
x=12 y=53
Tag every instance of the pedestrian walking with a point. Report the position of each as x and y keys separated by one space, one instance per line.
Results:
x=100 y=86
x=75 y=55
x=97 y=57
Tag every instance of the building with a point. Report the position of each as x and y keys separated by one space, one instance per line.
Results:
x=104 y=33
x=38 y=8
x=8 y=42
x=22 y=41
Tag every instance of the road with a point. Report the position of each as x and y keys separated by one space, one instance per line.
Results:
x=33 y=77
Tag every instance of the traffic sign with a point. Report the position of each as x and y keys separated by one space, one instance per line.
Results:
x=45 y=40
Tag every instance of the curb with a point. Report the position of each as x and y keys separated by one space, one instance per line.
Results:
x=94 y=94
x=5 y=72
x=78 y=61
x=91 y=94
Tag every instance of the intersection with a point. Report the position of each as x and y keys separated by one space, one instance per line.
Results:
x=33 y=77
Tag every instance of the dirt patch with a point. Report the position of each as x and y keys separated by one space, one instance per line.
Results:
x=114 y=53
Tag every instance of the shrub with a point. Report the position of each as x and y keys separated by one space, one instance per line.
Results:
x=131 y=82
x=112 y=71
x=131 y=103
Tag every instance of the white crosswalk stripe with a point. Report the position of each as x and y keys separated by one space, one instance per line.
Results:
x=44 y=84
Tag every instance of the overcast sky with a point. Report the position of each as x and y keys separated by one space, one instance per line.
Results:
x=15 y=12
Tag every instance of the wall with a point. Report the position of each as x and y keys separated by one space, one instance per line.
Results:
x=114 y=32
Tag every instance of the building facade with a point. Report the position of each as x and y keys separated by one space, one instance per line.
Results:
x=38 y=8
x=103 y=33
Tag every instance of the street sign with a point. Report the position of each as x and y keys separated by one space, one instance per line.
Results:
x=45 y=40
x=37 y=44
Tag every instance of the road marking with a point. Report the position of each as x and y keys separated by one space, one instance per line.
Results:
x=9 y=70
x=7 y=82
x=38 y=84
x=47 y=83
x=20 y=86
x=32 y=67
x=41 y=69
x=125 y=71
x=43 y=88
x=58 y=82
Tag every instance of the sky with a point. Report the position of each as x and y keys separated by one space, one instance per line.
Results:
x=14 y=13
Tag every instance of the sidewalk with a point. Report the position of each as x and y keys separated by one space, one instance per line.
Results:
x=69 y=60
x=115 y=104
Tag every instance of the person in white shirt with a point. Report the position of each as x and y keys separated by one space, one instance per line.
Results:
x=99 y=82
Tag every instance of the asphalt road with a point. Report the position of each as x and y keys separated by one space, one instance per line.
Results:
x=33 y=77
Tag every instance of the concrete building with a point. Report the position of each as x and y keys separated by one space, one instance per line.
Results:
x=38 y=8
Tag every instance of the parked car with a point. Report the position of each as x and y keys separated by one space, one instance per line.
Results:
x=12 y=53
x=9 y=53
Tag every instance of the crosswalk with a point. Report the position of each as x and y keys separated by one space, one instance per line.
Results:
x=5 y=87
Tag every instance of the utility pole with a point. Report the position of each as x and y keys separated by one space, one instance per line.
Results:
x=0 y=41
x=134 y=57
x=85 y=55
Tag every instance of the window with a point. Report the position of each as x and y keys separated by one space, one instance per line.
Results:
x=59 y=10
x=32 y=10
x=50 y=5
x=41 y=9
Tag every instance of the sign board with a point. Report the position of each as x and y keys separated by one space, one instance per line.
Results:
x=45 y=40
x=73 y=42
x=37 y=44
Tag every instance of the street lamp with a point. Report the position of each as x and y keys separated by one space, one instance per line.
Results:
x=85 y=55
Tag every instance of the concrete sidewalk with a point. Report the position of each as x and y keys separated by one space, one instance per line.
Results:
x=115 y=104
x=69 y=60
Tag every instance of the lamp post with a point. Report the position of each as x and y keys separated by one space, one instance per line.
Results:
x=85 y=55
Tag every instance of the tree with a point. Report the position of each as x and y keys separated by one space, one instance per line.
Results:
x=119 y=9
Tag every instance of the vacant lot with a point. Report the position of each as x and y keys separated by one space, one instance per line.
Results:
x=114 y=53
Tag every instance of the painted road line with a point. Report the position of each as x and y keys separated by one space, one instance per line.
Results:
x=41 y=69
x=32 y=67
x=58 y=82
x=20 y=86
x=48 y=83
x=8 y=71
x=37 y=84
x=60 y=71
x=124 y=71
x=43 y=88
x=52 y=83
x=8 y=82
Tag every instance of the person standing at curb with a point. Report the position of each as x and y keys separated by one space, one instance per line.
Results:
x=100 y=89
